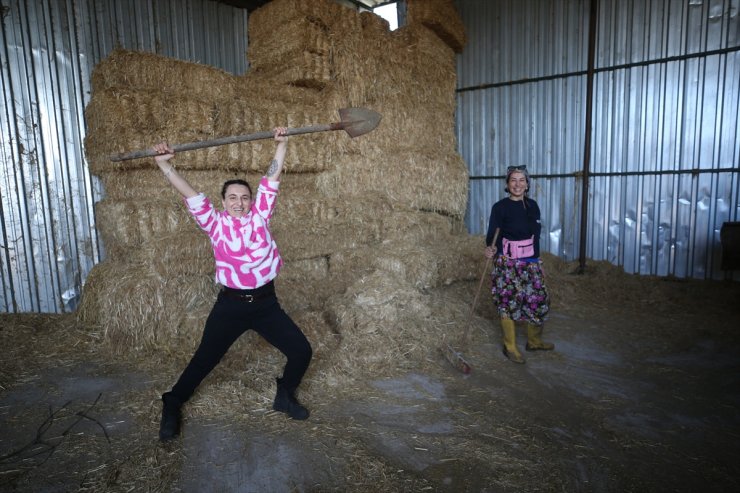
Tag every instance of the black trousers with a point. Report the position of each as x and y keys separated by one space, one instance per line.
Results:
x=228 y=320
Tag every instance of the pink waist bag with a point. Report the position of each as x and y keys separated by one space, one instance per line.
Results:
x=519 y=249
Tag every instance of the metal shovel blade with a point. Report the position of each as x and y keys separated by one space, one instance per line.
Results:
x=359 y=121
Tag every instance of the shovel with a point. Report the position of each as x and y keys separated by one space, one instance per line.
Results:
x=455 y=357
x=355 y=121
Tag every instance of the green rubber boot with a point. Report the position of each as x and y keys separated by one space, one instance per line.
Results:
x=534 y=339
x=510 y=350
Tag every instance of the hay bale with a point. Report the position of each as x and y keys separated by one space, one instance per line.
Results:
x=423 y=266
x=304 y=285
x=426 y=126
x=262 y=90
x=186 y=253
x=300 y=35
x=124 y=69
x=385 y=306
x=328 y=15
x=137 y=309
x=301 y=69
x=440 y=16
x=459 y=259
x=409 y=180
x=380 y=310
x=428 y=59
x=416 y=227
x=130 y=224
x=373 y=26
x=405 y=68
x=324 y=339
x=307 y=225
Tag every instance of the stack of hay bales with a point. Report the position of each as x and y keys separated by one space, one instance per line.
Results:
x=366 y=226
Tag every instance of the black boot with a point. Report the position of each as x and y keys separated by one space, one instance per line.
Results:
x=285 y=402
x=169 y=427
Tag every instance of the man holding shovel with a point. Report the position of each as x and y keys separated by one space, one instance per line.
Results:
x=247 y=262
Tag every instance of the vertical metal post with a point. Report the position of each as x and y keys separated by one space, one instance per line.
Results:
x=593 y=14
x=401 y=10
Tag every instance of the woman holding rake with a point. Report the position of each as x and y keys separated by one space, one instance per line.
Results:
x=518 y=284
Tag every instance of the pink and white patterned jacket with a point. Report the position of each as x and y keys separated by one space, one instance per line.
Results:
x=246 y=255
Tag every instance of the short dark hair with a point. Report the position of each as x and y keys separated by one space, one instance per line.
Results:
x=228 y=183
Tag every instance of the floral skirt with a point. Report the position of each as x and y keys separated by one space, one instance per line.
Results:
x=519 y=290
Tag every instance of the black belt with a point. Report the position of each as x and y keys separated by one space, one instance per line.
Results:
x=249 y=295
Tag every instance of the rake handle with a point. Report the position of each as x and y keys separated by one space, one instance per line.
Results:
x=477 y=294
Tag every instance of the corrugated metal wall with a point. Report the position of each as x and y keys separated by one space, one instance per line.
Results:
x=48 y=242
x=665 y=147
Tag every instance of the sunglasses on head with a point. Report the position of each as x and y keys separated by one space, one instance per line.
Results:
x=521 y=167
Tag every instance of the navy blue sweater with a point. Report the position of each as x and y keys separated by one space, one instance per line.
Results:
x=516 y=222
